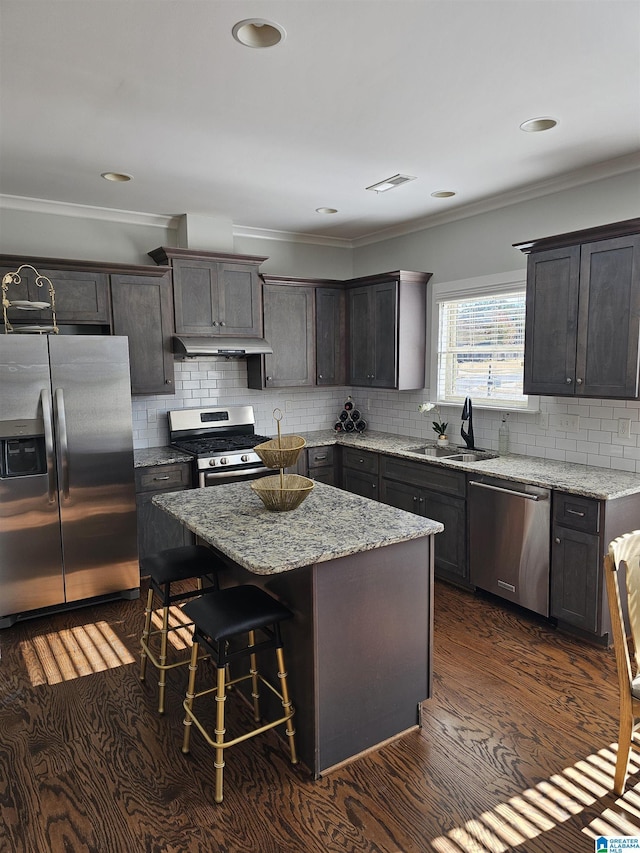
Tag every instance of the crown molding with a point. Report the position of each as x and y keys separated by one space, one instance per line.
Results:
x=570 y=180
x=291 y=237
x=85 y=211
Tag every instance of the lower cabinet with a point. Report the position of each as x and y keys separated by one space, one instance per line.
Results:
x=156 y=529
x=433 y=492
x=360 y=472
x=321 y=465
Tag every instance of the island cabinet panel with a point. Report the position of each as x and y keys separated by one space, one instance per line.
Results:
x=437 y=493
x=214 y=294
x=321 y=464
x=157 y=530
x=582 y=334
x=387 y=330
x=359 y=650
x=142 y=310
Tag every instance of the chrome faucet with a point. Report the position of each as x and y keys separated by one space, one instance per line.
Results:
x=467 y=415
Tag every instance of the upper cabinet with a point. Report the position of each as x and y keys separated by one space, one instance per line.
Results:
x=142 y=310
x=304 y=321
x=214 y=294
x=387 y=330
x=582 y=330
x=81 y=295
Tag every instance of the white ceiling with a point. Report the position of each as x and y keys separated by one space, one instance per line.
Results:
x=358 y=91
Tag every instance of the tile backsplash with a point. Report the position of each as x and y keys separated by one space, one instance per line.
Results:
x=604 y=433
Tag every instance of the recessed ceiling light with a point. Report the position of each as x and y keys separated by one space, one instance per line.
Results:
x=258 y=32
x=118 y=177
x=535 y=125
x=442 y=194
x=326 y=210
x=391 y=183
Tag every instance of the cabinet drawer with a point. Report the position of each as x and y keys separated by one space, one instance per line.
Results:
x=362 y=460
x=160 y=478
x=319 y=457
x=435 y=477
x=576 y=512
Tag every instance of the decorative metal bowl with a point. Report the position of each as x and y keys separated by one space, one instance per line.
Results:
x=281 y=493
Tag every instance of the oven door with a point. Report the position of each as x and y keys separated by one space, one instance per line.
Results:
x=241 y=475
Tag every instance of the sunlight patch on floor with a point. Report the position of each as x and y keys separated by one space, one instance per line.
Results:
x=551 y=802
x=73 y=652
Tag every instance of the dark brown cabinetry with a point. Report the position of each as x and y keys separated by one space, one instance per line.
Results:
x=156 y=529
x=321 y=464
x=387 y=330
x=434 y=492
x=583 y=313
x=214 y=294
x=330 y=336
x=289 y=328
x=575 y=561
x=142 y=310
x=360 y=472
x=304 y=321
x=81 y=295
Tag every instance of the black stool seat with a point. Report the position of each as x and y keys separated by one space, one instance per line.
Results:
x=220 y=620
x=166 y=568
x=237 y=610
x=179 y=564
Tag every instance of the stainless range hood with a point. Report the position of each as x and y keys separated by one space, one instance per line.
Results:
x=201 y=347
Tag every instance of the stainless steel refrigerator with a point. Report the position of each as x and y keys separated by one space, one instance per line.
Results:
x=67 y=493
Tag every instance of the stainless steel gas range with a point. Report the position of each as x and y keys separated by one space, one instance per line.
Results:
x=221 y=442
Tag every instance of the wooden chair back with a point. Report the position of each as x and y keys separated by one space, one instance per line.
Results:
x=623 y=559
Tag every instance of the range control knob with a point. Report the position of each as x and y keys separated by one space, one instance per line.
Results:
x=244 y=458
x=224 y=461
x=212 y=462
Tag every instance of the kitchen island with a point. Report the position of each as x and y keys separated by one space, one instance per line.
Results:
x=358 y=576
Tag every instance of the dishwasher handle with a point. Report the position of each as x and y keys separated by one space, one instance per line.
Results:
x=513 y=492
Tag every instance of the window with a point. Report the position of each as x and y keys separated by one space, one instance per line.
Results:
x=479 y=342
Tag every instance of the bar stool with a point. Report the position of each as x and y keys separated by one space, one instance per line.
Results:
x=219 y=618
x=164 y=569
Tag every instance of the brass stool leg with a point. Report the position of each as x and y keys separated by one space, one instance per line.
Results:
x=145 y=634
x=220 y=732
x=286 y=704
x=255 y=692
x=191 y=690
x=162 y=681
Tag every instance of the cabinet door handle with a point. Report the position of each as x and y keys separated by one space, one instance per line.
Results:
x=320 y=458
x=167 y=382
x=320 y=376
x=415 y=499
x=575 y=512
x=578 y=381
x=569 y=380
x=222 y=323
x=215 y=322
x=557 y=540
x=157 y=479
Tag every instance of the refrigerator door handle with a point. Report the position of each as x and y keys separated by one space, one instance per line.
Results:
x=64 y=445
x=45 y=402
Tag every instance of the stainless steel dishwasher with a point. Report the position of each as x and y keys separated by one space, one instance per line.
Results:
x=509 y=541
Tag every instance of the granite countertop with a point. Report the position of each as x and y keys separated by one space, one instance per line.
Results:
x=148 y=456
x=328 y=524
x=587 y=480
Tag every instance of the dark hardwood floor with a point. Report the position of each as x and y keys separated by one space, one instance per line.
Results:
x=515 y=752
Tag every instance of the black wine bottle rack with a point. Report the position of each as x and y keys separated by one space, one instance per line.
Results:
x=350 y=419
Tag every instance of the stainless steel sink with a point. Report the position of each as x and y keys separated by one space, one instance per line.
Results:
x=436 y=451
x=455 y=454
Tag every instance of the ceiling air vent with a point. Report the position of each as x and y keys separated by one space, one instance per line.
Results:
x=391 y=183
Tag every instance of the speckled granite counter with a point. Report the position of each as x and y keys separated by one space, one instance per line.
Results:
x=587 y=480
x=149 y=456
x=328 y=525
x=358 y=576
